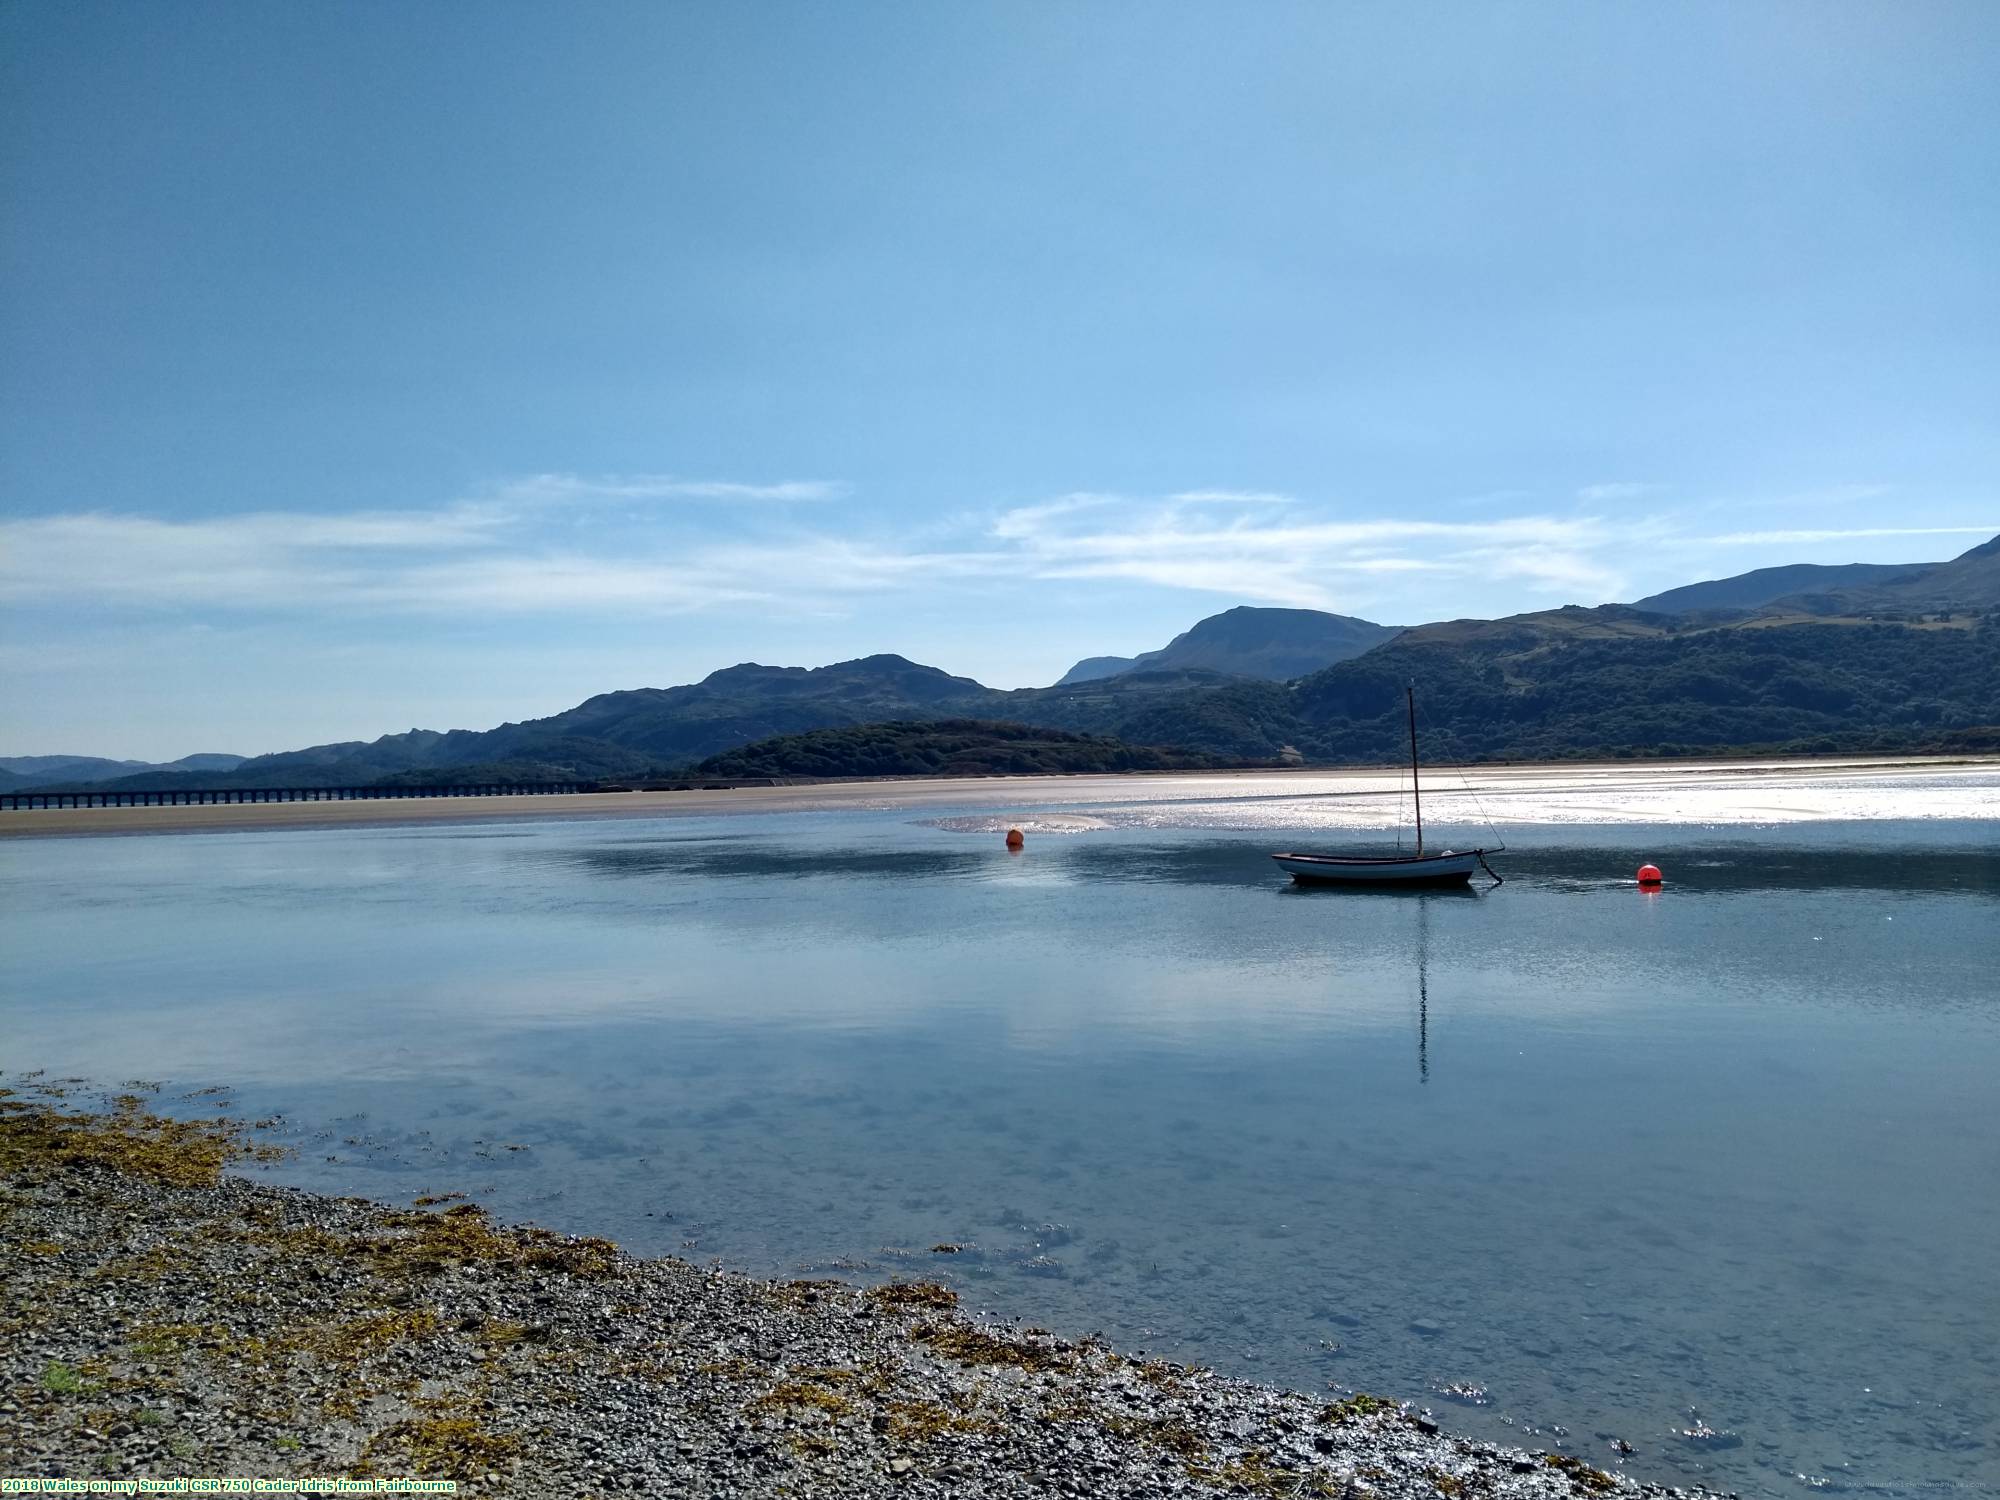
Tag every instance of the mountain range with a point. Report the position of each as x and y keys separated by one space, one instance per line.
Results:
x=1274 y=644
x=1800 y=659
x=1970 y=581
x=18 y=771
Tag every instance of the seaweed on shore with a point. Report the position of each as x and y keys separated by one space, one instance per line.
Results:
x=976 y=1346
x=427 y=1244
x=1355 y=1408
x=908 y=1294
x=1575 y=1468
x=35 y=1137
x=446 y=1442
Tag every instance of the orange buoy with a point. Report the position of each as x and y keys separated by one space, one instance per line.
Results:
x=1014 y=839
x=1650 y=875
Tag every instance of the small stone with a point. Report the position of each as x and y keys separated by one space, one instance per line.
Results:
x=900 y=1466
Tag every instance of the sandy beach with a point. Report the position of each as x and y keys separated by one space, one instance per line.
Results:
x=998 y=793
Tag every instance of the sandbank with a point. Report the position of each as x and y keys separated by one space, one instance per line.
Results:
x=995 y=792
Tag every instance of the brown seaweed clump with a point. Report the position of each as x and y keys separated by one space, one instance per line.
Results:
x=36 y=1137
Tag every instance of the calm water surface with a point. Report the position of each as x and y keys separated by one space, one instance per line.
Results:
x=1610 y=1164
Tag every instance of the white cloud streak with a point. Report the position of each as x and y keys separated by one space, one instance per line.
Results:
x=1290 y=560
x=515 y=551
x=560 y=488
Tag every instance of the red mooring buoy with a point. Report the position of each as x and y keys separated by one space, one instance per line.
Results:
x=1650 y=875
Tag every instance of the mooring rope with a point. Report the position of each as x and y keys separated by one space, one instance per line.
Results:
x=1465 y=784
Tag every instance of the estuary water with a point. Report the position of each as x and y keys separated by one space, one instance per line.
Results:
x=1713 y=1172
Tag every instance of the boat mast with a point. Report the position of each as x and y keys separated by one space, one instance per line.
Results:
x=1416 y=790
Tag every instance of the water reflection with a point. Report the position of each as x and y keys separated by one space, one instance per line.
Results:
x=1707 y=1150
x=1767 y=867
x=719 y=859
x=1732 y=866
x=1423 y=993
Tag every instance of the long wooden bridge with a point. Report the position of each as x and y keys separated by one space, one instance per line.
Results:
x=192 y=796
x=179 y=796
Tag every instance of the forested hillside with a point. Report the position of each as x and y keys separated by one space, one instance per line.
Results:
x=1549 y=693
x=948 y=747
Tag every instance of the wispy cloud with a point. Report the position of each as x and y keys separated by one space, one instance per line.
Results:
x=1027 y=521
x=551 y=488
x=1801 y=538
x=512 y=550
x=264 y=559
x=1293 y=560
x=1233 y=497
x=495 y=555
x=1816 y=499
x=499 y=554
x=1619 y=489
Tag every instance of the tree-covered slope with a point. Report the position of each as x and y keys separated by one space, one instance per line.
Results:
x=629 y=732
x=1230 y=716
x=1538 y=690
x=946 y=747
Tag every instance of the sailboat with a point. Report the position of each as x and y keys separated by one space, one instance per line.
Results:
x=1452 y=867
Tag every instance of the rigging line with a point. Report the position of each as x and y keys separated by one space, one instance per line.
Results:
x=1465 y=783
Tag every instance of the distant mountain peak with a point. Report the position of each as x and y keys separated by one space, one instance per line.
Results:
x=881 y=663
x=1983 y=550
x=1970 y=580
x=1762 y=586
x=1249 y=640
x=1093 y=668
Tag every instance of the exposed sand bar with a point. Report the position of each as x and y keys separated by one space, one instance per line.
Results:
x=1969 y=785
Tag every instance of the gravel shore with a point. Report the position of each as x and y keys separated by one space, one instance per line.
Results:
x=166 y=1319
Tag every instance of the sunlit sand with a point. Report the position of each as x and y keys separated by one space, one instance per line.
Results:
x=1679 y=792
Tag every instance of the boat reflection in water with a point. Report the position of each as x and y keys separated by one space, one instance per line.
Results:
x=1423 y=992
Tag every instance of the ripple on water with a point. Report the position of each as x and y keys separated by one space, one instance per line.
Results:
x=1028 y=823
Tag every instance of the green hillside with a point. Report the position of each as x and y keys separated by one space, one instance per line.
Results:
x=1968 y=582
x=1549 y=687
x=948 y=747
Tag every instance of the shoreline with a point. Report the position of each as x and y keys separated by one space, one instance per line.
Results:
x=168 y=1319
x=998 y=791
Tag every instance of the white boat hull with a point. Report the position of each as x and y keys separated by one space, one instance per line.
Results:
x=1450 y=868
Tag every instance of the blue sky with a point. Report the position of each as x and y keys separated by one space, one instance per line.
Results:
x=374 y=365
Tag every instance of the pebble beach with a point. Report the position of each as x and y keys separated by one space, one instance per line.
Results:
x=169 y=1321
